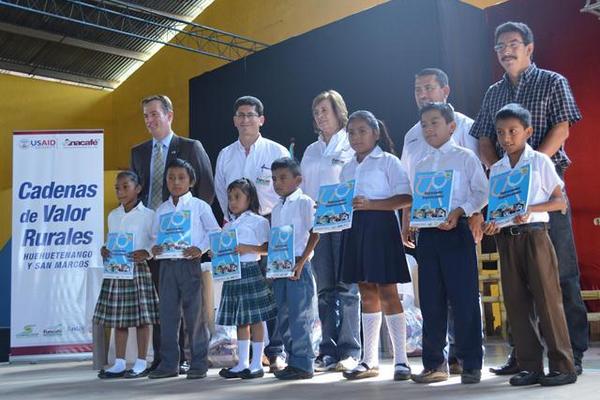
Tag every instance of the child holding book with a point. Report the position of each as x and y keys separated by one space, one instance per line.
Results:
x=295 y=296
x=248 y=301
x=446 y=253
x=181 y=279
x=529 y=270
x=372 y=252
x=125 y=303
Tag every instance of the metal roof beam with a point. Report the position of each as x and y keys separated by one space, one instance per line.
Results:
x=58 y=38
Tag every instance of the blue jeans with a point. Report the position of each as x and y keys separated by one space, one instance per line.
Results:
x=339 y=303
x=296 y=316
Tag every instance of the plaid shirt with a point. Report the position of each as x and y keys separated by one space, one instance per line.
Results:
x=546 y=94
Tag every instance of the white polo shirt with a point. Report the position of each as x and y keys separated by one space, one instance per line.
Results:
x=544 y=178
x=322 y=162
x=138 y=221
x=297 y=209
x=233 y=163
x=251 y=229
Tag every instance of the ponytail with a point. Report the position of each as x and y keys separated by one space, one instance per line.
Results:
x=385 y=141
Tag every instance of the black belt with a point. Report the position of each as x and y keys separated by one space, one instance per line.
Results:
x=516 y=230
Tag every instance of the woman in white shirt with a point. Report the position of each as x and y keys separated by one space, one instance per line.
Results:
x=339 y=303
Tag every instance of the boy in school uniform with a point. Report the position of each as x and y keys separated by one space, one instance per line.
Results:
x=446 y=254
x=295 y=296
x=530 y=279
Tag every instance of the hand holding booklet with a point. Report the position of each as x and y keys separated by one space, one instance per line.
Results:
x=119 y=265
x=225 y=260
x=432 y=194
x=509 y=195
x=174 y=234
x=281 y=258
x=334 y=207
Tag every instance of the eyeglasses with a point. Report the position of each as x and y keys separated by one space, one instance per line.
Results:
x=242 y=115
x=500 y=47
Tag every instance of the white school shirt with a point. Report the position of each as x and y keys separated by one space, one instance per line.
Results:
x=470 y=188
x=137 y=221
x=203 y=221
x=251 y=229
x=378 y=176
x=233 y=163
x=415 y=147
x=322 y=162
x=544 y=178
x=297 y=209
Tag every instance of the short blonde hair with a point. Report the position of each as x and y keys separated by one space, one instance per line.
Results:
x=166 y=103
x=337 y=104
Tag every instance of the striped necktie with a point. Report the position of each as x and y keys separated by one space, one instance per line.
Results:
x=158 y=171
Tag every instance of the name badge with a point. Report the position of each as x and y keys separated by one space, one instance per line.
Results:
x=337 y=161
x=264 y=181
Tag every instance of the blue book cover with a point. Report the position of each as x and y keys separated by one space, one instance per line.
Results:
x=174 y=234
x=225 y=261
x=119 y=265
x=432 y=195
x=281 y=258
x=334 y=207
x=509 y=195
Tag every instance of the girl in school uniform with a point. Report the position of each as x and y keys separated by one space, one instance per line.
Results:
x=248 y=301
x=372 y=252
x=125 y=303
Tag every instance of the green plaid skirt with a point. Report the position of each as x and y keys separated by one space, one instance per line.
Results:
x=125 y=303
x=247 y=300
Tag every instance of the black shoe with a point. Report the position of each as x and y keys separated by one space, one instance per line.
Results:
x=510 y=368
x=247 y=374
x=227 y=373
x=556 y=378
x=470 y=376
x=159 y=374
x=195 y=374
x=292 y=374
x=110 y=375
x=526 y=378
x=154 y=365
x=129 y=374
x=578 y=369
x=184 y=367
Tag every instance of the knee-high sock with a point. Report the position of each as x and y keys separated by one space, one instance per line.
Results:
x=257 y=351
x=244 y=353
x=396 y=324
x=371 y=327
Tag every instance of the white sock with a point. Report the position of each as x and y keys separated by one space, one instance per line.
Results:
x=257 y=351
x=139 y=366
x=396 y=324
x=244 y=354
x=119 y=366
x=371 y=327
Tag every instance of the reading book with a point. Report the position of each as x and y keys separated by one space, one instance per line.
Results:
x=334 y=207
x=281 y=259
x=432 y=194
x=174 y=234
x=119 y=265
x=509 y=195
x=225 y=261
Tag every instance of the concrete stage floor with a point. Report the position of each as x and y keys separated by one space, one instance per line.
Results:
x=77 y=380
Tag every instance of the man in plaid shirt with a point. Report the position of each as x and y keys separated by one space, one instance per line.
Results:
x=548 y=97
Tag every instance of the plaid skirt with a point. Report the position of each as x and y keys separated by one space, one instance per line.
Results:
x=125 y=303
x=247 y=300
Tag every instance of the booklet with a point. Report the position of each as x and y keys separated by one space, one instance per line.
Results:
x=225 y=261
x=432 y=195
x=281 y=258
x=174 y=234
x=119 y=265
x=334 y=207
x=509 y=195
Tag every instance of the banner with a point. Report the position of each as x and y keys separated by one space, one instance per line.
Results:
x=57 y=232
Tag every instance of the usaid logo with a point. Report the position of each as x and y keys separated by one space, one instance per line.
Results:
x=71 y=143
x=37 y=143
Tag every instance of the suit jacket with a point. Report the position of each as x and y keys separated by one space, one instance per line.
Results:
x=190 y=150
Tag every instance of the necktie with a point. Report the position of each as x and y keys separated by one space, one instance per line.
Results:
x=158 y=171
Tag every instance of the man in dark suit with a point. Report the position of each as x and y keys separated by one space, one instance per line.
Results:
x=149 y=160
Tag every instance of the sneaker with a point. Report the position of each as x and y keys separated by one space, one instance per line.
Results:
x=431 y=376
x=469 y=376
x=184 y=367
x=402 y=372
x=276 y=363
x=346 y=364
x=361 y=371
x=293 y=374
x=454 y=366
x=325 y=363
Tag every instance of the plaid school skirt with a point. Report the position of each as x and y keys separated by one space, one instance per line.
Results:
x=125 y=303
x=247 y=300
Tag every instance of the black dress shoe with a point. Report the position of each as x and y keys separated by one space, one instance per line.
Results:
x=556 y=378
x=130 y=374
x=526 y=378
x=578 y=369
x=510 y=368
x=195 y=374
x=110 y=375
x=159 y=374
x=154 y=365
x=184 y=367
x=292 y=374
x=227 y=373
x=247 y=374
